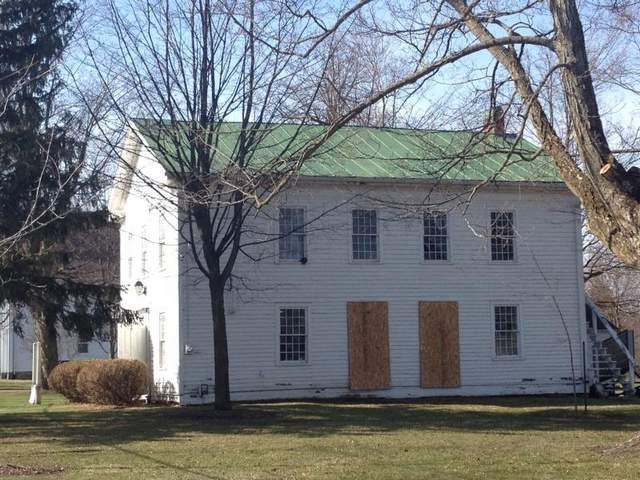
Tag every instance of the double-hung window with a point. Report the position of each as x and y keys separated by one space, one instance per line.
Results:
x=83 y=343
x=162 y=341
x=161 y=242
x=291 y=244
x=435 y=236
x=502 y=237
x=143 y=254
x=130 y=268
x=507 y=333
x=364 y=238
x=293 y=335
x=130 y=248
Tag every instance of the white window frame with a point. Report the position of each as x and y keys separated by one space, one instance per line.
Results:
x=144 y=264
x=144 y=255
x=130 y=268
x=519 y=331
x=130 y=247
x=514 y=237
x=162 y=341
x=307 y=318
x=303 y=233
x=448 y=238
x=162 y=264
x=377 y=235
x=84 y=344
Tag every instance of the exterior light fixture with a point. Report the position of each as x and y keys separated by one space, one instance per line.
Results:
x=140 y=288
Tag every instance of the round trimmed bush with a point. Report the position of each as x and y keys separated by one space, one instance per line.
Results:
x=113 y=382
x=107 y=382
x=63 y=379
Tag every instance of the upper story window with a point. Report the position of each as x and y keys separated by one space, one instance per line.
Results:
x=143 y=251
x=364 y=239
x=162 y=341
x=161 y=243
x=506 y=330
x=293 y=334
x=435 y=236
x=502 y=236
x=130 y=268
x=291 y=245
x=129 y=247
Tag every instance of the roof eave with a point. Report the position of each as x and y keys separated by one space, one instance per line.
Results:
x=124 y=176
x=556 y=185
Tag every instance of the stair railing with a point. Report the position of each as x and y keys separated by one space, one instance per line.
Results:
x=614 y=334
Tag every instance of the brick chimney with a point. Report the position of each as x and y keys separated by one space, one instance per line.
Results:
x=495 y=122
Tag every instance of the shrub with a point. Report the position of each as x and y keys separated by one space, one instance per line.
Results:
x=108 y=382
x=113 y=382
x=63 y=379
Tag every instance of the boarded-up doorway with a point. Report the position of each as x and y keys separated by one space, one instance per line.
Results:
x=368 y=334
x=439 y=345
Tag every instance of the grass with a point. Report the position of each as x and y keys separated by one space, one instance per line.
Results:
x=15 y=385
x=496 y=438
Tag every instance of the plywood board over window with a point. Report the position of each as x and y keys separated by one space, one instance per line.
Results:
x=368 y=334
x=439 y=345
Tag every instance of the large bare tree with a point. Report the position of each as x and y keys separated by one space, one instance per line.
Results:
x=191 y=67
x=214 y=80
x=609 y=192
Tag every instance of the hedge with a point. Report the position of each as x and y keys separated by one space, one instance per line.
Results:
x=107 y=382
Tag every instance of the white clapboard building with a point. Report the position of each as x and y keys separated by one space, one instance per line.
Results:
x=17 y=338
x=396 y=282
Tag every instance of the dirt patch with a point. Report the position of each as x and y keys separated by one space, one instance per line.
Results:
x=628 y=446
x=15 y=470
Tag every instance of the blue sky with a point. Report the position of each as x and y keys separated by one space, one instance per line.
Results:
x=618 y=106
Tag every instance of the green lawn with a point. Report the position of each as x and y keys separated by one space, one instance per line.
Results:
x=14 y=385
x=508 y=438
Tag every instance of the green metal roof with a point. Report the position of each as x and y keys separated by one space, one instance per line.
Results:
x=363 y=152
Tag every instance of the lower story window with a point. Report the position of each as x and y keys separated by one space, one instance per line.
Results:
x=83 y=342
x=293 y=334
x=83 y=347
x=506 y=330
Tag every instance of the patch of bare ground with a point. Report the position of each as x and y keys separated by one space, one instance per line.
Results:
x=628 y=446
x=9 y=470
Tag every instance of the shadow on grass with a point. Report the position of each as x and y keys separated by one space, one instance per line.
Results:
x=505 y=416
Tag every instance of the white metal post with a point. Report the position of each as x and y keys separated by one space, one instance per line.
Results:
x=34 y=398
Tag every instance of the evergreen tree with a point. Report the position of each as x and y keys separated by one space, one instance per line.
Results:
x=47 y=195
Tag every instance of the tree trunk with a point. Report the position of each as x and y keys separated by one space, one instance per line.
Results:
x=220 y=348
x=44 y=329
x=113 y=339
x=611 y=204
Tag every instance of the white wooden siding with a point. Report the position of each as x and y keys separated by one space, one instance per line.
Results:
x=149 y=200
x=545 y=266
x=16 y=351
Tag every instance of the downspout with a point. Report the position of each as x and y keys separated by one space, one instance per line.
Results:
x=11 y=332
x=183 y=306
x=4 y=349
x=582 y=314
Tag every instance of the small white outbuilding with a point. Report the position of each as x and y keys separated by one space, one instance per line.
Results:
x=16 y=348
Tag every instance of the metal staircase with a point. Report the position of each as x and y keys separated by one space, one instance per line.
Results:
x=612 y=355
x=606 y=373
